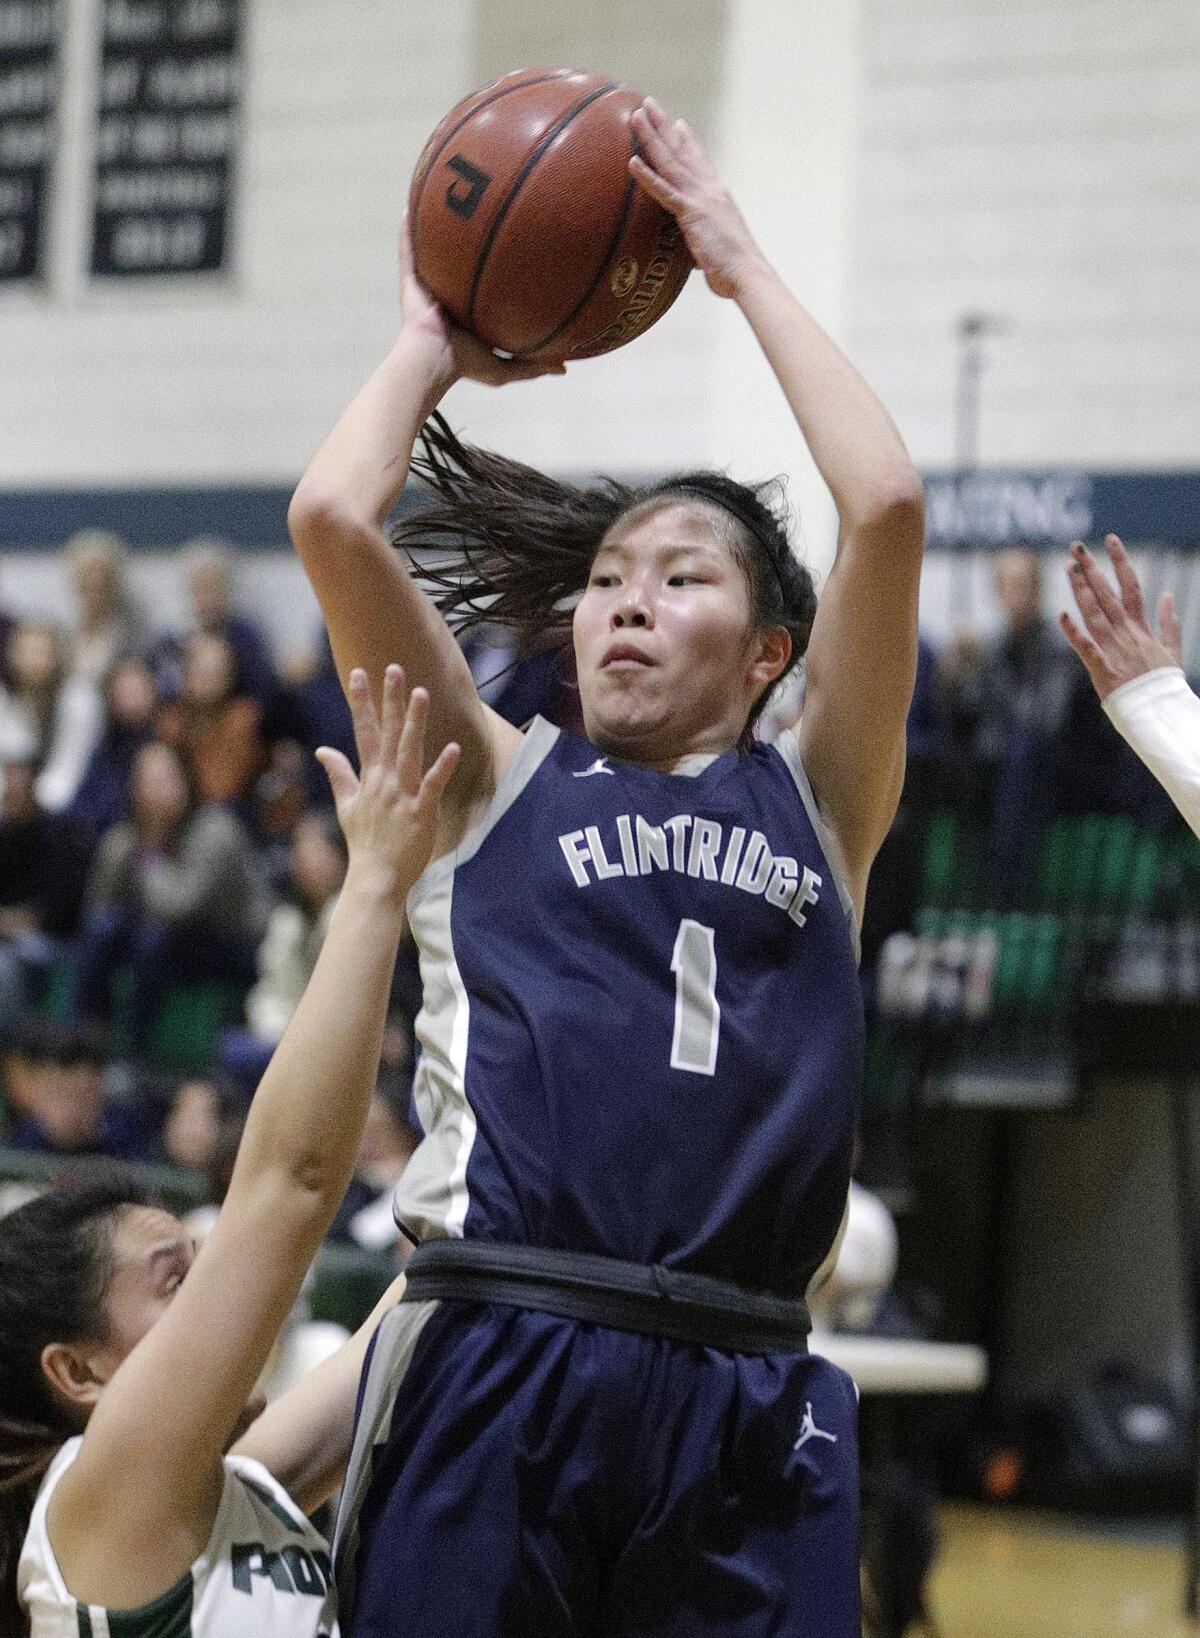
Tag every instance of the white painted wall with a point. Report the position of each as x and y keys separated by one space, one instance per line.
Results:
x=1041 y=162
x=1037 y=161
x=789 y=146
x=238 y=378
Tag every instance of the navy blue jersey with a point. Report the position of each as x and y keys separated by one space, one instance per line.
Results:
x=642 y=1024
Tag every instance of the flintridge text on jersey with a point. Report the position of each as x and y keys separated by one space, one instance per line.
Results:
x=693 y=847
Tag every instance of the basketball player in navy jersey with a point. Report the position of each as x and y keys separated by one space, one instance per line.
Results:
x=642 y=1027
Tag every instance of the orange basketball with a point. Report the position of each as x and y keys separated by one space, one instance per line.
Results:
x=527 y=226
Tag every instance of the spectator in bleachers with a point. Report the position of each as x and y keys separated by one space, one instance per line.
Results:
x=288 y=953
x=193 y=1126
x=323 y=715
x=70 y=1111
x=45 y=705
x=21 y=1053
x=1006 y=704
x=213 y=724
x=895 y=889
x=44 y=860
x=208 y=570
x=282 y=794
x=924 y=730
x=109 y=622
x=130 y=699
x=175 y=893
x=8 y=624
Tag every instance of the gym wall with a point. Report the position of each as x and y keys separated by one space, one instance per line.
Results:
x=1038 y=163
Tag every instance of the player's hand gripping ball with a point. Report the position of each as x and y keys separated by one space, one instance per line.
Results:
x=528 y=227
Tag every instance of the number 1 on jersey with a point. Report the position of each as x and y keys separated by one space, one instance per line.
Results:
x=697 y=1010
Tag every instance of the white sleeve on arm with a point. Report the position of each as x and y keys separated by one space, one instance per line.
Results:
x=1158 y=715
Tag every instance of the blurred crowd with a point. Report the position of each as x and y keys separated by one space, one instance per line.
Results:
x=164 y=827
x=167 y=840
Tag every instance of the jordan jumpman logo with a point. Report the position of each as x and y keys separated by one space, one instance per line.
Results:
x=810 y=1430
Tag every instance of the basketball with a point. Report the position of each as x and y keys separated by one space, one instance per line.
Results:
x=528 y=227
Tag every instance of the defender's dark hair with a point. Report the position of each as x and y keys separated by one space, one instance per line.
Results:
x=509 y=544
x=55 y=1264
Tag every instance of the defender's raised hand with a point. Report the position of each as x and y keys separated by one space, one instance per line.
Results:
x=1118 y=643
x=389 y=811
x=674 y=168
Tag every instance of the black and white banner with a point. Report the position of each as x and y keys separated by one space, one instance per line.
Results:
x=29 y=55
x=168 y=99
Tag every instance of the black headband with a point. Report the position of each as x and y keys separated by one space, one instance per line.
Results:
x=743 y=514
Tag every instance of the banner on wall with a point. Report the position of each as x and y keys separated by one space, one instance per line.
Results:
x=168 y=100
x=985 y=509
x=30 y=31
x=1053 y=508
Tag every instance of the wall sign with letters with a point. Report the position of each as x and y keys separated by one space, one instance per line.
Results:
x=994 y=507
x=167 y=104
x=29 y=55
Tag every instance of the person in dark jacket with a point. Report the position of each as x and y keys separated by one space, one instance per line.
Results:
x=130 y=702
x=175 y=892
x=1006 y=703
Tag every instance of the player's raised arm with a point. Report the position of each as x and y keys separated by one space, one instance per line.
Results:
x=372 y=607
x=136 y=1507
x=861 y=660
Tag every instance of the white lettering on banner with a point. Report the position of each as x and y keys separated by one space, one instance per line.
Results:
x=151 y=242
x=26 y=90
x=178 y=84
x=158 y=190
x=25 y=144
x=22 y=27
x=204 y=17
x=15 y=195
x=997 y=508
x=132 y=24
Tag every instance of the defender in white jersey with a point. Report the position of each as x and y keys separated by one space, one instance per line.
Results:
x=265 y=1572
x=126 y=1369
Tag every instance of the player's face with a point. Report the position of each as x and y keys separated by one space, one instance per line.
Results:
x=152 y=1254
x=667 y=659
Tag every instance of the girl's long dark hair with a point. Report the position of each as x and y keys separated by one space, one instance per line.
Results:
x=501 y=542
x=55 y=1265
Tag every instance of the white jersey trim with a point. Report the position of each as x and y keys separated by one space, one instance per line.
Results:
x=432 y=1199
x=790 y=752
x=251 y=1500
x=391 y=1356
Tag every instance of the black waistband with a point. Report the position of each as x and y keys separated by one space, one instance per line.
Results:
x=651 y=1300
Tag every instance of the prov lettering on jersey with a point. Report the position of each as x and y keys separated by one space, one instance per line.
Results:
x=692 y=846
x=290 y=1569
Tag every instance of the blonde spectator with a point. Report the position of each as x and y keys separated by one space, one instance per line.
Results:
x=289 y=950
x=109 y=623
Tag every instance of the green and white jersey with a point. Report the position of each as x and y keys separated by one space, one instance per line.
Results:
x=265 y=1572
